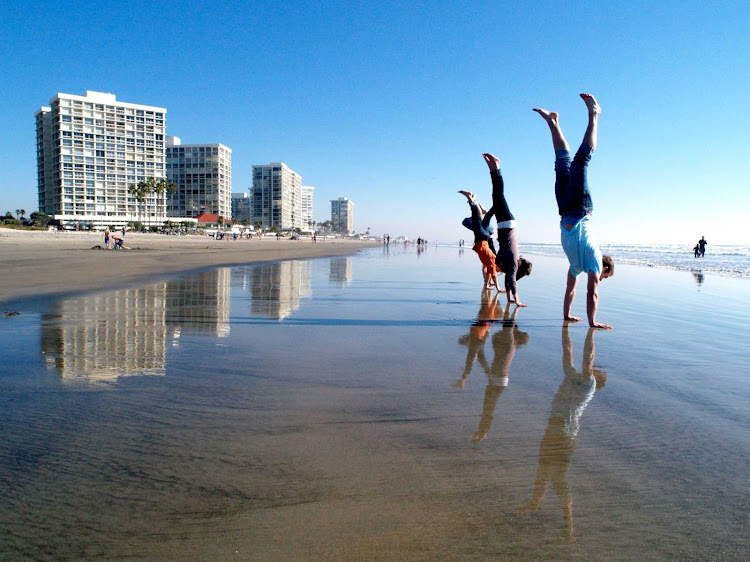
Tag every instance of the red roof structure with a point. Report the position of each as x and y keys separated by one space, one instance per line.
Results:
x=210 y=218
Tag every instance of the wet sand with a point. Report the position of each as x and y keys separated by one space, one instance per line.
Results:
x=36 y=263
x=348 y=409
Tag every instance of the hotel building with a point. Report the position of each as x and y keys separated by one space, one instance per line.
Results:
x=342 y=215
x=241 y=208
x=277 y=196
x=308 y=193
x=202 y=174
x=90 y=148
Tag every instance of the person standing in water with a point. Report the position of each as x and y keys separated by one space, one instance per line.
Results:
x=575 y=207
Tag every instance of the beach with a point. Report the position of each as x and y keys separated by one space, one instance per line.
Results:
x=38 y=263
x=351 y=407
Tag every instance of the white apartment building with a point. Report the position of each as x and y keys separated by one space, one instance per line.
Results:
x=90 y=148
x=342 y=215
x=202 y=174
x=277 y=196
x=308 y=194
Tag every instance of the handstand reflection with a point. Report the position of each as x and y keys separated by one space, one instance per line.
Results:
x=504 y=344
x=474 y=340
x=560 y=440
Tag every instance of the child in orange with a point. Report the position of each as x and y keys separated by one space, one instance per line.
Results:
x=482 y=240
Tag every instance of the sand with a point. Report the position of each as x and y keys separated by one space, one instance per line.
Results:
x=36 y=264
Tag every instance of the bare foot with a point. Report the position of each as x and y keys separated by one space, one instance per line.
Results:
x=492 y=161
x=468 y=194
x=590 y=101
x=549 y=116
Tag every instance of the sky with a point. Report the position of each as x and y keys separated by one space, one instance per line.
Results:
x=392 y=104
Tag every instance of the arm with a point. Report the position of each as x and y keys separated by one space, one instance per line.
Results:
x=570 y=295
x=592 y=301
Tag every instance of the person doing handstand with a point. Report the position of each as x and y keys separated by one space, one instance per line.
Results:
x=575 y=207
x=480 y=226
x=508 y=259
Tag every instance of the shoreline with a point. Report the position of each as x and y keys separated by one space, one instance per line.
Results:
x=37 y=264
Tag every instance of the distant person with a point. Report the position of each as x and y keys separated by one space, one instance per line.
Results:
x=561 y=437
x=118 y=242
x=107 y=239
x=697 y=250
x=575 y=206
x=123 y=232
x=702 y=243
x=479 y=223
x=508 y=259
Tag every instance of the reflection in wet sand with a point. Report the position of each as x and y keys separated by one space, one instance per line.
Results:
x=340 y=270
x=560 y=440
x=199 y=304
x=98 y=338
x=504 y=344
x=276 y=288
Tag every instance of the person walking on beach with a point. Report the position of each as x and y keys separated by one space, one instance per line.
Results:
x=479 y=223
x=575 y=207
x=702 y=245
x=508 y=259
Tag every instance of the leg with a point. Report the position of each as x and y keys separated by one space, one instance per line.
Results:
x=562 y=160
x=558 y=139
x=499 y=205
x=589 y=138
x=579 y=196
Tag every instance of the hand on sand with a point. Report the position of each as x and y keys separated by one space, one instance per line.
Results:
x=493 y=162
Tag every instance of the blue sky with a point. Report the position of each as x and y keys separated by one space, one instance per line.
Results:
x=392 y=105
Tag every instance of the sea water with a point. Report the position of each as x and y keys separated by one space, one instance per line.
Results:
x=353 y=407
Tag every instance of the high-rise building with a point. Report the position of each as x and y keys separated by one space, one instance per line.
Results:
x=202 y=174
x=277 y=196
x=308 y=193
x=90 y=148
x=342 y=215
x=241 y=208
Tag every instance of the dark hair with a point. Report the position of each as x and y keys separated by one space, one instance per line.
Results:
x=524 y=268
x=608 y=264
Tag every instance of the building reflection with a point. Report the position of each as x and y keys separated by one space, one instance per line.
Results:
x=340 y=271
x=199 y=304
x=276 y=288
x=561 y=437
x=98 y=338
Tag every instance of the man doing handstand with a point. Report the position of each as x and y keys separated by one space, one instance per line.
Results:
x=575 y=207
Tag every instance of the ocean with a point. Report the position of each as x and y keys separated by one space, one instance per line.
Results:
x=723 y=260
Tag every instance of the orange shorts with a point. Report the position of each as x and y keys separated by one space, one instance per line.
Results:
x=486 y=257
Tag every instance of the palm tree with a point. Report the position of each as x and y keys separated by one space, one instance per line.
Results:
x=139 y=191
x=18 y=213
x=23 y=212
